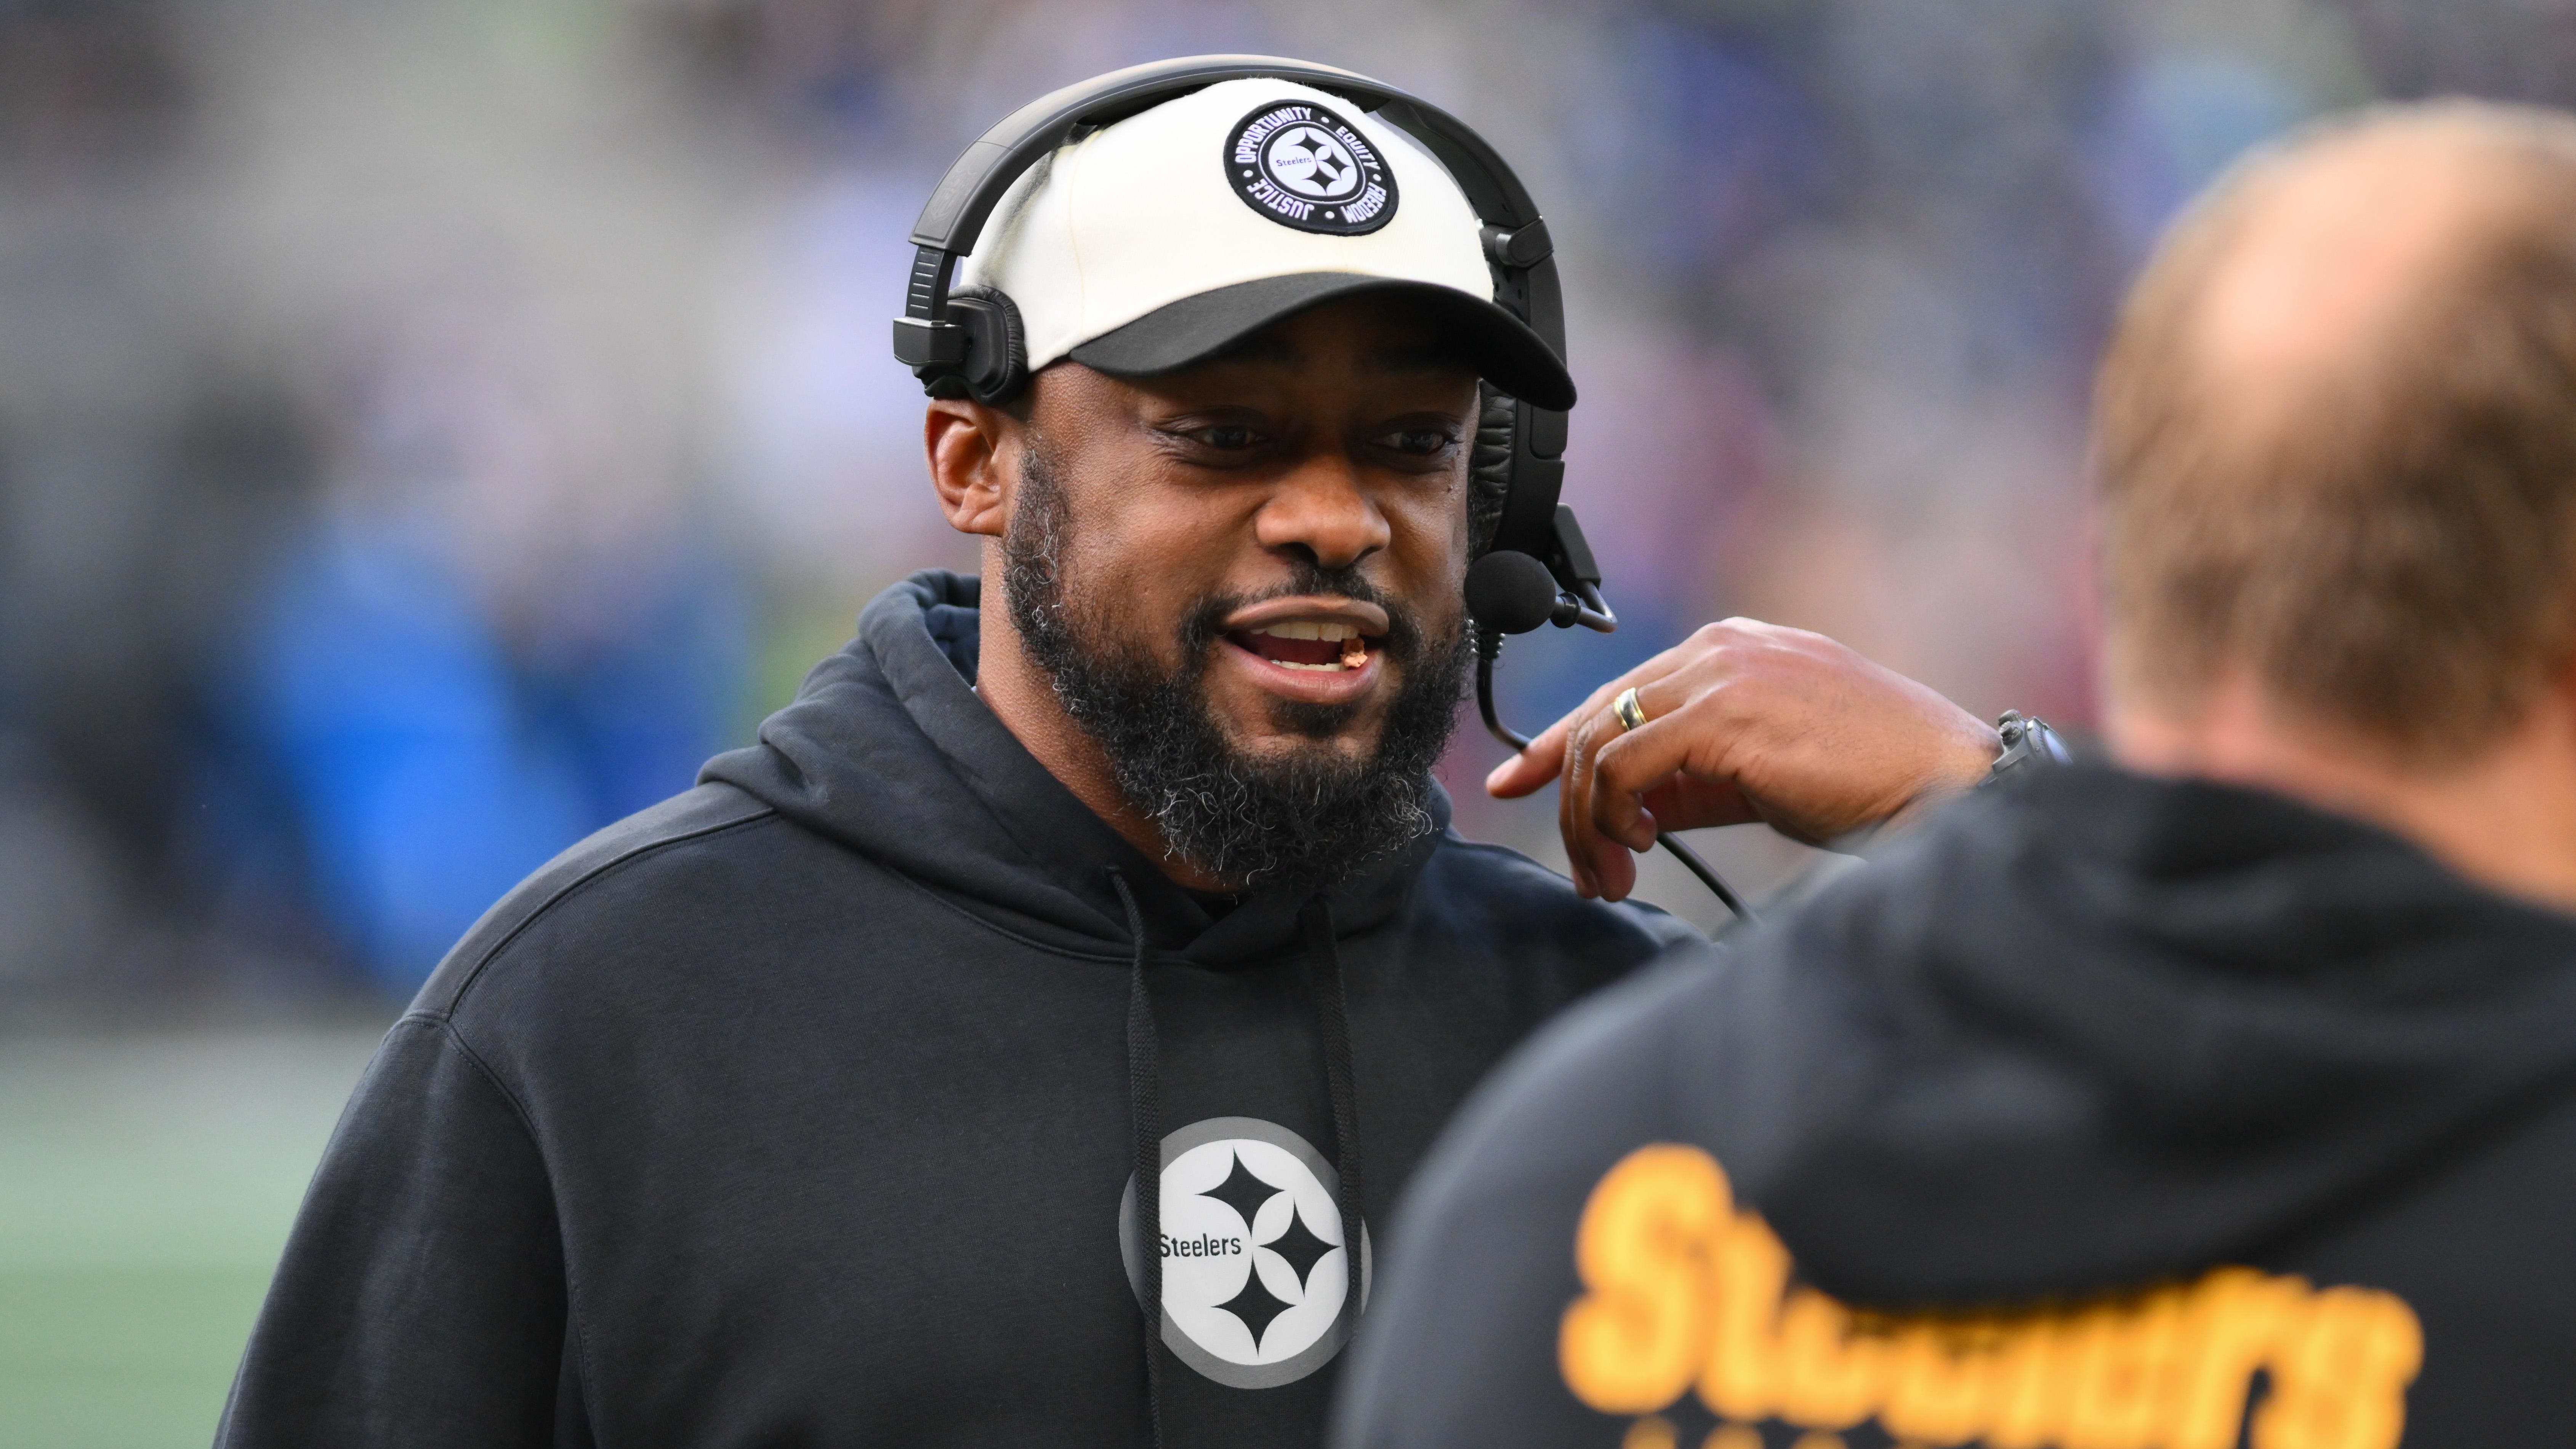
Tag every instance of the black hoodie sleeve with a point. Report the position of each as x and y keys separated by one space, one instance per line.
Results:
x=422 y=1299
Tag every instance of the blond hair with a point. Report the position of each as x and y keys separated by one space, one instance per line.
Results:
x=2395 y=554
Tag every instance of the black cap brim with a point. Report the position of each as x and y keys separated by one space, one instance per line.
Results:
x=1499 y=346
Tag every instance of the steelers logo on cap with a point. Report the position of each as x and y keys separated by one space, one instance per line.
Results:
x=1301 y=165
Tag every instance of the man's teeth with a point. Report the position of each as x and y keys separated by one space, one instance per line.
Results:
x=1310 y=629
x=1355 y=649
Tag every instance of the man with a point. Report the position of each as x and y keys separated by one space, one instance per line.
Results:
x=807 y=1107
x=2232 y=1090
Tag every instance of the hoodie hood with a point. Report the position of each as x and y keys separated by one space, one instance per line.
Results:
x=888 y=750
x=2105 y=1028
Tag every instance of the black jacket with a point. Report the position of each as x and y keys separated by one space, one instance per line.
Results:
x=798 y=1110
x=2106 y=1111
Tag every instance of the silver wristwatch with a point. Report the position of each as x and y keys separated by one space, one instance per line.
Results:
x=2029 y=744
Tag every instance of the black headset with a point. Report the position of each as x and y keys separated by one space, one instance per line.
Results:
x=1537 y=568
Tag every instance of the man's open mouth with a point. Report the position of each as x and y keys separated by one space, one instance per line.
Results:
x=1331 y=645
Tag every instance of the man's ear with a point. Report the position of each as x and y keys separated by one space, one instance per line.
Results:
x=974 y=454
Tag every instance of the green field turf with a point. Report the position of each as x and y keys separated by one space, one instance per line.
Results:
x=146 y=1185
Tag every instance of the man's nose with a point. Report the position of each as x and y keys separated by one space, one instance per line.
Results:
x=1322 y=508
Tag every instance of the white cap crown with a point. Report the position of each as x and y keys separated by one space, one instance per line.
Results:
x=1243 y=181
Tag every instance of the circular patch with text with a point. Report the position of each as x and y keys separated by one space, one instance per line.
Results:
x=1302 y=165
x=1254 y=1281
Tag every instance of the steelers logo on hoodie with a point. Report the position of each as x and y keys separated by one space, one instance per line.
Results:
x=1255 y=1286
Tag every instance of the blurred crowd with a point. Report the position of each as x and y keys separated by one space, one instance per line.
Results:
x=430 y=429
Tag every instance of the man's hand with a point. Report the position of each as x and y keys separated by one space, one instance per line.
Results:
x=1745 y=721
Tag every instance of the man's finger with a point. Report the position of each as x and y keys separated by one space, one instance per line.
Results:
x=1581 y=808
x=1623 y=770
x=1603 y=861
x=1544 y=758
x=1614 y=872
x=1532 y=769
x=1600 y=863
x=1574 y=809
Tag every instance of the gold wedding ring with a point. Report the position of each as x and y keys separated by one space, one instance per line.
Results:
x=1631 y=714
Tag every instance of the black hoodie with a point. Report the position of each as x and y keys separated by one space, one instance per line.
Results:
x=798 y=1110
x=2110 y=1112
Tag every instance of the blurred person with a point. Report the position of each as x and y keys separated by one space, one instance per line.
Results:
x=826 y=1103
x=502 y=632
x=2225 y=1089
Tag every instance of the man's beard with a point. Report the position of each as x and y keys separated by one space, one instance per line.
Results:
x=1309 y=819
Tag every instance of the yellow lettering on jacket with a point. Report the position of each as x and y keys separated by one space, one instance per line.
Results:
x=1943 y=1382
x=1683 y=1290
x=1740 y=1374
x=1632 y=1342
x=2339 y=1378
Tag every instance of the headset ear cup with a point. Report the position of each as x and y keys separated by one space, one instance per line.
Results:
x=1489 y=467
x=997 y=357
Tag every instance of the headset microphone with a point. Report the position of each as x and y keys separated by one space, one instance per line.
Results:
x=1509 y=592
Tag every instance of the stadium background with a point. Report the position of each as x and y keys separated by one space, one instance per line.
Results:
x=429 y=429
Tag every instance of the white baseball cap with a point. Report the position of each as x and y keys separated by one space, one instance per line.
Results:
x=1160 y=240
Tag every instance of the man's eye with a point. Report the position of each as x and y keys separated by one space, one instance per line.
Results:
x=1227 y=437
x=1419 y=442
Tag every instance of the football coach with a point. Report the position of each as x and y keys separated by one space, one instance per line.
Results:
x=1015 y=1045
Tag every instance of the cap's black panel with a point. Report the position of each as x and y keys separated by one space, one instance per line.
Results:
x=1498 y=345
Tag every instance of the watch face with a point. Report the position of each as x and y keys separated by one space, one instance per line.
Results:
x=2047 y=742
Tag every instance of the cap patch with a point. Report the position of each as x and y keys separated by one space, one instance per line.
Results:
x=1302 y=166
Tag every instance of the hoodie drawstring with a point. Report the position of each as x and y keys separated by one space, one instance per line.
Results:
x=1145 y=1121
x=1333 y=1018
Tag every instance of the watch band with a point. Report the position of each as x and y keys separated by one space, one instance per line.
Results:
x=2028 y=744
